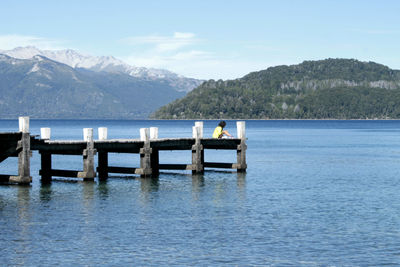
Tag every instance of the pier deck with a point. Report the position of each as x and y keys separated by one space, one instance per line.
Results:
x=21 y=144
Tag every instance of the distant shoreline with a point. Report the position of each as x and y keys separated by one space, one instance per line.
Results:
x=219 y=119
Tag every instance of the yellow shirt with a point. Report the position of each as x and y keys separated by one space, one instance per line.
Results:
x=217 y=132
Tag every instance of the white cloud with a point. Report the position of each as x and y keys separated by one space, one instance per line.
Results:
x=164 y=43
x=190 y=56
x=11 y=41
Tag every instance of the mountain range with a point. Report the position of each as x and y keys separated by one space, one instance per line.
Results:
x=107 y=64
x=67 y=85
x=322 y=89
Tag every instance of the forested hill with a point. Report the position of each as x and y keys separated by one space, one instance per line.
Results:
x=324 y=89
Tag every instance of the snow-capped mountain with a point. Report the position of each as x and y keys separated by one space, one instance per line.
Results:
x=107 y=64
x=40 y=87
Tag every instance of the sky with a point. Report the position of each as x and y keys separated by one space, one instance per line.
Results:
x=206 y=39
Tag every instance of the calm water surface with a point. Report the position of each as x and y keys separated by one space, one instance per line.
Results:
x=316 y=193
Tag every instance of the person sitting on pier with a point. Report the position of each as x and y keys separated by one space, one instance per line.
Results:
x=219 y=131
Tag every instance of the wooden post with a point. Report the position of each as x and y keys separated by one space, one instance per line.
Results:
x=102 y=131
x=102 y=155
x=45 y=133
x=45 y=164
x=24 y=168
x=155 y=158
x=145 y=153
x=88 y=172
x=241 y=149
x=200 y=124
x=103 y=165
x=153 y=133
x=45 y=158
x=197 y=152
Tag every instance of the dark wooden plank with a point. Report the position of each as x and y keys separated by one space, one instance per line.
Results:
x=214 y=143
x=63 y=173
x=4 y=178
x=175 y=166
x=10 y=152
x=173 y=144
x=119 y=147
x=220 y=165
x=123 y=170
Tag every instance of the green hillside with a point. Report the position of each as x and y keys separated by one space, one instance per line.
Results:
x=325 y=89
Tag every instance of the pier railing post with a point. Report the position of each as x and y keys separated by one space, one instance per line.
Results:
x=145 y=153
x=155 y=158
x=88 y=172
x=102 y=156
x=197 y=151
x=24 y=164
x=241 y=149
x=45 y=157
x=45 y=133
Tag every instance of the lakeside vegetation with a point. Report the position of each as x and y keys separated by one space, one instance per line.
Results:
x=324 y=89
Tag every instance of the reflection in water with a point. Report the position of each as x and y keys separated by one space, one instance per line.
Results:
x=88 y=189
x=45 y=192
x=148 y=185
x=241 y=184
x=197 y=185
x=24 y=220
x=102 y=189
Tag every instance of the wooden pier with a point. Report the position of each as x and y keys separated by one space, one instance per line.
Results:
x=147 y=147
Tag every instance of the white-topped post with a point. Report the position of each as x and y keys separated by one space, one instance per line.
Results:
x=195 y=132
x=103 y=132
x=24 y=162
x=200 y=124
x=45 y=133
x=144 y=134
x=241 y=129
x=88 y=134
x=145 y=153
x=88 y=172
x=153 y=133
x=241 y=149
x=24 y=124
x=103 y=155
x=197 y=152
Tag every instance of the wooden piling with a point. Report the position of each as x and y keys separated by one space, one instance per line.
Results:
x=45 y=133
x=241 y=149
x=45 y=164
x=197 y=151
x=145 y=154
x=24 y=168
x=102 y=132
x=88 y=172
x=155 y=154
x=102 y=168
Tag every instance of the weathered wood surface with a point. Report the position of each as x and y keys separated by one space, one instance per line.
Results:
x=9 y=145
x=148 y=148
x=131 y=145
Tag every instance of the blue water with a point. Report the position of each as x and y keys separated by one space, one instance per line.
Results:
x=316 y=193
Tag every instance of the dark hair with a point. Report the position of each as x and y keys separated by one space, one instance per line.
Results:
x=222 y=124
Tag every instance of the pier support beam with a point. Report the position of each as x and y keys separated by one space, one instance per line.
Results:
x=24 y=163
x=88 y=172
x=197 y=151
x=241 y=149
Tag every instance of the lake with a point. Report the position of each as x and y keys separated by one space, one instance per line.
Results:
x=316 y=193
